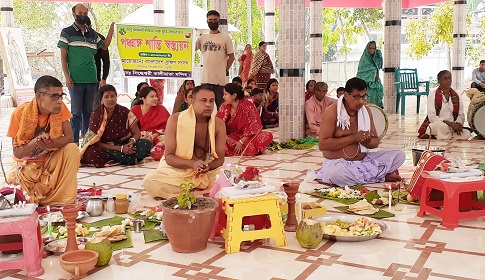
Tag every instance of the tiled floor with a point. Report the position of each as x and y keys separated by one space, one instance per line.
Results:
x=410 y=248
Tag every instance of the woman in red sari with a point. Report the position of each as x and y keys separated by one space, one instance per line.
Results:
x=152 y=117
x=243 y=124
x=261 y=67
x=245 y=63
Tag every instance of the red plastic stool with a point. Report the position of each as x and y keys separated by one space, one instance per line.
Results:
x=31 y=243
x=456 y=196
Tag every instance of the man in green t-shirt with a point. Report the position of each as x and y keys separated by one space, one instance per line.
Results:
x=78 y=44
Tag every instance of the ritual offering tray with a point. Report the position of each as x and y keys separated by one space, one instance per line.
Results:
x=58 y=247
x=350 y=228
x=58 y=220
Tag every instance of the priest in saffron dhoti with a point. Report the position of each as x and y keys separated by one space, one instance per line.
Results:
x=45 y=159
x=346 y=139
x=194 y=149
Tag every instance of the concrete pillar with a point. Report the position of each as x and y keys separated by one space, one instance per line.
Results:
x=159 y=12
x=392 y=51
x=316 y=28
x=7 y=21
x=250 y=21
x=291 y=49
x=7 y=13
x=221 y=7
x=159 y=20
x=269 y=28
x=182 y=13
x=459 y=37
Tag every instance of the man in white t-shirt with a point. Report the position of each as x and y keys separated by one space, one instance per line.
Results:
x=217 y=52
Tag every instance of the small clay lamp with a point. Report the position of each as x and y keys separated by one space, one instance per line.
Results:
x=291 y=189
x=70 y=213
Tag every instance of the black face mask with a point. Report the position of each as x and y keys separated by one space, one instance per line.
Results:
x=213 y=25
x=81 y=19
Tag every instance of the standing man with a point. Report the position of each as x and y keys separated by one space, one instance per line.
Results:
x=217 y=52
x=478 y=77
x=101 y=58
x=78 y=44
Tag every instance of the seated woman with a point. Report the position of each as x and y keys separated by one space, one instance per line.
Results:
x=243 y=125
x=152 y=117
x=189 y=99
x=445 y=112
x=269 y=116
x=113 y=134
x=258 y=99
x=180 y=98
x=138 y=88
x=310 y=90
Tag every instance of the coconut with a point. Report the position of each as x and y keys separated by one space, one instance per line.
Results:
x=309 y=233
x=103 y=247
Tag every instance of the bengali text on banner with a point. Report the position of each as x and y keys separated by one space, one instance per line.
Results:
x=156 y=52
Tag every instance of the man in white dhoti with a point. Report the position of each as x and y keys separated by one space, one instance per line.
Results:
x=346 y=138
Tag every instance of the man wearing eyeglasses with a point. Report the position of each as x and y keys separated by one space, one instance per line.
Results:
x=218 y=56
x=78 y=44
x=45 y=159
x=346 y=136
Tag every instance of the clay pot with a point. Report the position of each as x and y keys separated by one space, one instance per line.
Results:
x=188 y=230
x=79 y=262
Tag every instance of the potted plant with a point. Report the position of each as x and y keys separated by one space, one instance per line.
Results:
x=188 y=220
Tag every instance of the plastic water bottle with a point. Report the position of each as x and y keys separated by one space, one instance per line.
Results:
x=110 y=204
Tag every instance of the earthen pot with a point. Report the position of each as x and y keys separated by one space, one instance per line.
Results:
x=188 y=230
x=79 y=262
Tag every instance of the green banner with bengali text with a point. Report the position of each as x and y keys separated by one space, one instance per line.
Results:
x=156 y=52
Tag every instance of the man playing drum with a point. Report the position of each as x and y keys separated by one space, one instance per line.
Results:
x=346 y=139
x=445 y=112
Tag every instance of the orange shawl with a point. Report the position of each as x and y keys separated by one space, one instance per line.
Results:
x=29 y=122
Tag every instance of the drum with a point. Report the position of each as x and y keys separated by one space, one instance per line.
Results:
x=476 y=118
x=380 y=119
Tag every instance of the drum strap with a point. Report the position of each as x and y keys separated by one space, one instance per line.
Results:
x=438 y=103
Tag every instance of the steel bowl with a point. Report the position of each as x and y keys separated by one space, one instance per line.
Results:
x=418 y=151
x=95 y=206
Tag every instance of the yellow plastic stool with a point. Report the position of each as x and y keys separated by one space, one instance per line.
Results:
x=239 y=208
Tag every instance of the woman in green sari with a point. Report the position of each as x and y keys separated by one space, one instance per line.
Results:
x=369 y=66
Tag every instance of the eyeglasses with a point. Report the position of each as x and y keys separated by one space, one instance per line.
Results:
x=358 y=97
x=54 y=97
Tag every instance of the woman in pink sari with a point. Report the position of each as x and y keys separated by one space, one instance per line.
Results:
x=243 y=124
x=245 y=63
x=151 y=115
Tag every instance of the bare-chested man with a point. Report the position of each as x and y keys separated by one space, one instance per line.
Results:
x=346 y=135
x=194 y=148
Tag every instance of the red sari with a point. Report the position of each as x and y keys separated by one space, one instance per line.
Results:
x=246 y=61
x=245 y=123
x=153 y=121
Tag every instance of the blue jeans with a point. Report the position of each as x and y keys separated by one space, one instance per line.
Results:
x=82 y=97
